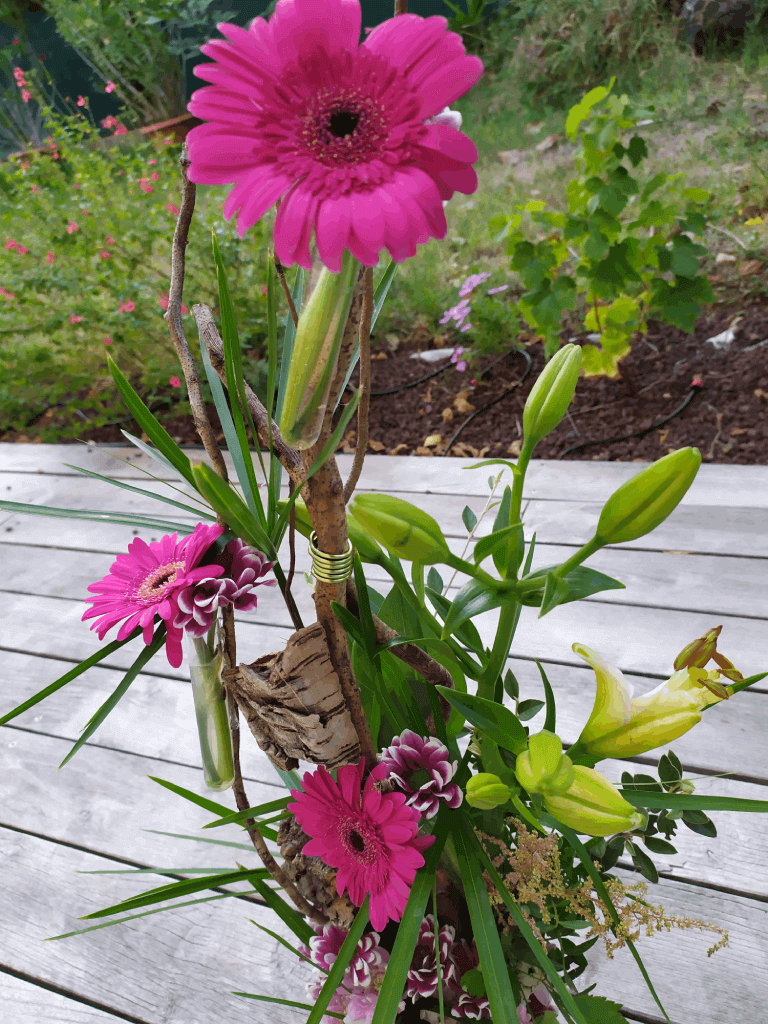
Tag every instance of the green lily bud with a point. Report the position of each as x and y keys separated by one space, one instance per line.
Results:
x=315 y=353
x=552 y=393
x=645 y=501
x=620 y=726
x=543 y=767
x=402 y=528
x=362 y=541
x=593 y=805
x=486 y=791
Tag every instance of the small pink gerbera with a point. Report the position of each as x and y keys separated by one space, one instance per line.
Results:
x=343 y=132
x=371 y=837
x=147 y=581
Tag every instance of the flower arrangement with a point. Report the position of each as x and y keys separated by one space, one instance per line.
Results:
x=440 y=860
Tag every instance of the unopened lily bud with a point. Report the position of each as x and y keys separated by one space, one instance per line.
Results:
x=552 y=393
x=402 y=528
x=315 y=353
x=698 y=652
x=486 y=791
x=645 y=501
x=543 y=767
x=593 y=805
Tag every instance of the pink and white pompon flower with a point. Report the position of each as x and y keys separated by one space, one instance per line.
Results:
x=147 y=582
x=371 y=837
x=341 y=131
x=423 y=769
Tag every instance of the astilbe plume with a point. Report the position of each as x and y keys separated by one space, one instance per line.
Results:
x=371 y=837
x=199 y=603
x=422 y=768
x=342 y=131
x=147 y=582
x=422 y=975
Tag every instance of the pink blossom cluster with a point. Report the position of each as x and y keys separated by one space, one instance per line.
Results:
x=127 y=307
x=15 y=246
x=144 y=183
x=21 y=82
x=172 y=208
x=75 y=319
x=6 y=294
x=110 y=87
x=72 y=228
x=165 y=578
x=112 y=122
x=164 y=303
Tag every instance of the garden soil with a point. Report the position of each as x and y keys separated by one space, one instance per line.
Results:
x=726 y=416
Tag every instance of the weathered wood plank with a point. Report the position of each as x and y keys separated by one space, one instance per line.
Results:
x=177 y=967
x=21 y=1002
x=690 y=986
x=734 y=486
x=155 y=720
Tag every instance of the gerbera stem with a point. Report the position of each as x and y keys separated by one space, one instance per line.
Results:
x=365 y=385
x=175 y=326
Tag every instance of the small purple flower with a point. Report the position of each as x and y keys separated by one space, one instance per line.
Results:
x=199 y=604
x=422 y=769
x=495 y=291
x=422 y=976
x=465 y=958
x=367 y=964
x=458 y=312
x=471 y=283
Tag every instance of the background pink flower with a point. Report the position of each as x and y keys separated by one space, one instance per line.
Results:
x=110 y=87
x=120 y=130
x=26 y=95
x=49 y=257
x=75 y=319
x=35 y=189
x=362 y=180
x=172 y=208
x=72 y=228
x=127 y=307
x=164 y=303
x=108 y=340
x=6 y=294
x=105 y=255
x=174 y=381
x=152 y=161
x=81 y=101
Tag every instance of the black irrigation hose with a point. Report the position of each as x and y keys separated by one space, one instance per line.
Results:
x=493 y=401
x=695 y=388
x=429 y=376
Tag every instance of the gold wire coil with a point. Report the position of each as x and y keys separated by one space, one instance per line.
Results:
x=330 y=568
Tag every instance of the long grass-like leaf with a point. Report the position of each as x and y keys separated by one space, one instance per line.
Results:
x=604 y=895
x=73 y=673
x=250 y=812
x=148 y=913
x=94 y=516
x=185 y=888
x=527 y=933
x=200 y=839
x=691 y=802
x=114 y=699
x=233 y=510
x=116 y=482
x=401 y=957
x=340 y=965
x=285 y=1002
x=297 y=294
x=233 y=361
x=286 y=943
x=485 y=931
x=290 y=917
x=155 y=455
x=157 y=434
x=228 y=427
x=275 y=468
x=194 y=798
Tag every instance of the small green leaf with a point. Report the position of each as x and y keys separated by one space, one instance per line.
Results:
x=511 y=685
x=656 y=845
x=469 y=519
x=496 y=543
x=551 y=717
x=643 y=862
x=474 y=598
x=582 y=581
x=556 y=592
x=599 y=1010
x=494 y=720
x=528 y=709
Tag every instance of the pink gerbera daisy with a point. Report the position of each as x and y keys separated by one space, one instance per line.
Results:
x=147 y=581
x=343 y=132
x=371 y=837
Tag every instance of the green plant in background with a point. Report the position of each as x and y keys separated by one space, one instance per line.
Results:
x=620 y=274
x=142 y=47
x=85 y=265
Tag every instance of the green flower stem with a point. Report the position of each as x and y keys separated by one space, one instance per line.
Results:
x=213 y=725
x=537 y=582
x=524 y=813
x=469 y=569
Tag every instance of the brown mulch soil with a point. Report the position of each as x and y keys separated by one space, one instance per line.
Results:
x=727 y=419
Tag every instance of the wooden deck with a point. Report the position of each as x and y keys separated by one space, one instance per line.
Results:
x=707 y=565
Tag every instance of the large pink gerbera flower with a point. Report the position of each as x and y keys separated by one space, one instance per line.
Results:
x=371 y=837
x=299 y=108
x=147 y=581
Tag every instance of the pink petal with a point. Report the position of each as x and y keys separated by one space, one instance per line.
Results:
x=265 y=190
x=334 y=216
x=299 y=26
x=448 y=83
x=293 y=225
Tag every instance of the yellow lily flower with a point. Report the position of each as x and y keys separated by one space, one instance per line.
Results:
x=620 y=726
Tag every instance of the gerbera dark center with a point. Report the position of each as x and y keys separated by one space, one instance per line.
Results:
x=356 y=841
x=343 y=122
x=157 y=582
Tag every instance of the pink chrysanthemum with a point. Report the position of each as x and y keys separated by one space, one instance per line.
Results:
x=422 y=975
x=539 y=1002
x=423 y=770
x=371 y=837
x=465 y=958
x=298 y=109
x=368 y=963
x=147 y=581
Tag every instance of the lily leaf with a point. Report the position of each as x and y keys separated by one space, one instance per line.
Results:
x=582 y=582
x=475 y=597
x=496 y=722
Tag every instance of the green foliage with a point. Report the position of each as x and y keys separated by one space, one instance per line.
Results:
x=97 y=222
x=622 y=276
